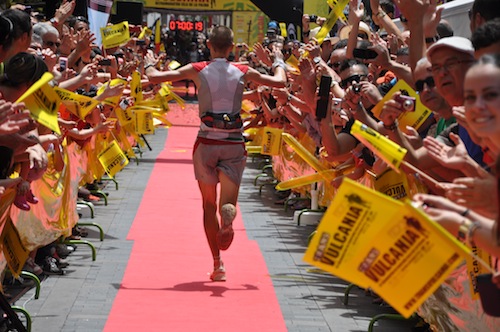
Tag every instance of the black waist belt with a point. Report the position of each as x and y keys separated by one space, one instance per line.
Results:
x=222 y=120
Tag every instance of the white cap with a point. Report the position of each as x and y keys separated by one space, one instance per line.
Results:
x=460 y=44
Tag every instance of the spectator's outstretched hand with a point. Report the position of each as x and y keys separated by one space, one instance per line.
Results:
x=64 y=11
x=12 y=117
x=451 y=157
x=262 y=54
x=308 y=74
x=49 y=57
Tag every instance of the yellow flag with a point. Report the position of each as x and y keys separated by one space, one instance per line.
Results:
x=158 y=35
x=112 y=101
x=43 y=102
x=474 y=268
x=12 y=247
x=331 y=19
x=392 y=184
x=312 y=178
x=384 y=148
x=413 y=119
x=145 y=32
x=409 y=259
x=284 y=33
x=294 y=63
x=77 y=104
x=303 y=152
x=355 y=214
x=113 y=159
x=115 y=35
x=136 y=87
x=271 y=142
x=374 y=241
x=144 y=122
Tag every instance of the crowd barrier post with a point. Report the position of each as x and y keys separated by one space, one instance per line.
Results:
x=10 y=312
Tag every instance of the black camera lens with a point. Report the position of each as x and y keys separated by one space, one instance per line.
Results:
x=313 y=18
x=356 y=88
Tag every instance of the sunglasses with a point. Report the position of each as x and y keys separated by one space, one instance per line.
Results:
x=335 y=65
x=419 y=85
x=348 y=81
x=51 y=43
x=286 y=51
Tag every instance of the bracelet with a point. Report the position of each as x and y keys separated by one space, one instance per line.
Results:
x=465 y=213
x=470 y=234
x=289 y=98
x=381 y=14
x=431 y=40
x=148 y=66
x=393 y=126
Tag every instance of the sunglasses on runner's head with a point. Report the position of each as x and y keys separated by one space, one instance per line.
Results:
x=419 y=85
x=348 y=81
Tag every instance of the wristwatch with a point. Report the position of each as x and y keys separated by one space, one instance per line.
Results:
x=54 y=22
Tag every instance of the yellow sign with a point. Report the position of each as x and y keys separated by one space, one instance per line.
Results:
x=384 y=148
x=13 y=248
x=144 y=122
x=136 y=87
x=43 y=102
x=307 y=156
x=242 y=5
x=413 y=119
x=393 y=184
x=77 y=104
x=474 y=268
x=115 y=35
x=374 y=241
x=113 y=159
x=271 y=142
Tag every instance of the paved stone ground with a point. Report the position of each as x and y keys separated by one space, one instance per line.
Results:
x=81 y=300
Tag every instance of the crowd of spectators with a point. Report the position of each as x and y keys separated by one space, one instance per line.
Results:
x=456 y=78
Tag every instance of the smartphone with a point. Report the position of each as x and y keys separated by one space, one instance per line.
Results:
x=336 y=104
x=324 y=94
x=366 y=54
x=63 y=63
x=104 y=62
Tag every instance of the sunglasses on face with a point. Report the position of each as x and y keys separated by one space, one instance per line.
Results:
x=51 y=43
x=348 y=81
x=335 y=65
x=286 y=51
x=419 y=85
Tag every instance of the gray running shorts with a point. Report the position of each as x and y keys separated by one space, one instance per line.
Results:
x=209 y=159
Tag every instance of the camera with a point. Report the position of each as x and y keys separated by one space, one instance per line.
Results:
x=313 y=18
x=336 y=104
x=407 y=102
x=356 y=88
x=104 y=62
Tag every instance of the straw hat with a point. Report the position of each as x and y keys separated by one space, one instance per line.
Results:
x=363 y=27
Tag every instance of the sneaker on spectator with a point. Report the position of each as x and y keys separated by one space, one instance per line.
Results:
x=50 y=266
x=31 y=266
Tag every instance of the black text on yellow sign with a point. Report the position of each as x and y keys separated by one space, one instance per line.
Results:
x=113 y=159
x=12 y=248
x=144 y=122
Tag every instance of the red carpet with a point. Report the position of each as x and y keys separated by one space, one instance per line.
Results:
x=166 y=286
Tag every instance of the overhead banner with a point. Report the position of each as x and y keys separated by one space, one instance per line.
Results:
x=249 y=27
x=98 y=14
x=202 y=4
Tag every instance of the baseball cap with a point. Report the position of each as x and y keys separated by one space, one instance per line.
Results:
x=459 y=44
